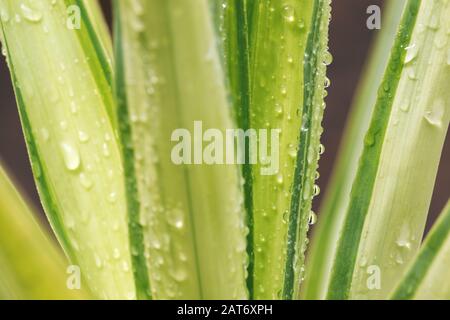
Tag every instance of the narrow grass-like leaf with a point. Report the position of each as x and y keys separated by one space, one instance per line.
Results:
x=392 y=190
x=429 y=275
x=231 y=20
x=275 y=53
x=31 y=267
x=100 y=28
x=332 y=213
x=65 y=102
x=171 y=92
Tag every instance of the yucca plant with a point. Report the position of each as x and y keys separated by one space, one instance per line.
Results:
x=179 y=160
x=27 y=273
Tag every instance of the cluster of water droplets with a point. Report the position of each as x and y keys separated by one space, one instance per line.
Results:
x=317 y=94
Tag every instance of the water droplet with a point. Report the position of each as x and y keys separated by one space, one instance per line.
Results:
x=45 y=134
x=440 y=40
x=112 y=197
x=434 y=22
x=405 y=107
x=399 y=259
x=116 y=253
x=280 y=179
x=30 y=13
x=327 y=58
x=369 y=140
x=98 y=261
x=292 y=151
x=71 y=156
x=279 y=109
x=316 y=190
x=125 y=266
x=175 y=218
x=63 y=125
x=363 y=262
x=106 y=151
x=85 y=181
x=70 y=222
x=411 y=53
x=156 y=244
x=412 y=74
x=435 y=115
x=286 y=216
x=321 y=149
x=83 y=136
x=290 y=60
x=289 y=13
x=73 y=107
x=182 y=256
x=403 y=243
x=312 y=218
x=4 y=16
x=179 y=275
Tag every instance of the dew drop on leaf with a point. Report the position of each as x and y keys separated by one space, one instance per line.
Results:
x=411 y=53
x=327 y=58
x=4 y=15
x=71 y=156
x=435 y=115
x=321 y=149
x=83 y=136
x=312 y=218
x=30 y=14
x=85 y=181
x=289 y=13
x=316 y=190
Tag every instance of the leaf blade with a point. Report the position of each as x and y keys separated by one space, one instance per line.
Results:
x=26 y=273
x=427 y=275
x=386 y=215
x=71 y=141
x=332 y=211
x=198 y=206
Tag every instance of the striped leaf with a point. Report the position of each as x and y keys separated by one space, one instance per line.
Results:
x=276 y=55
x=62 y=79
x=332 y=213
x=428 y=276
x=187 y=220
x=391 y=193
x=26 y=272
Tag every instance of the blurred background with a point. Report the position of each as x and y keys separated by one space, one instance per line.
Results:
x=350 y=42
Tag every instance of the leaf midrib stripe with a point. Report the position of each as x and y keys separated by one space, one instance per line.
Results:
x=136 y=234
x=300 y=177
x=362 y=190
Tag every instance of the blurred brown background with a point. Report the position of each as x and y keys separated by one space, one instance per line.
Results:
x=349 y=43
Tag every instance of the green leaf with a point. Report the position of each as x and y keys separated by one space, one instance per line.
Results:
x=231 y=21
x=428 y=276
x=100 y=32
x=65 y=101
x=392 y=190
x=275 y=53
x=332 y=213
x=187 y=220
x=26 y=272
